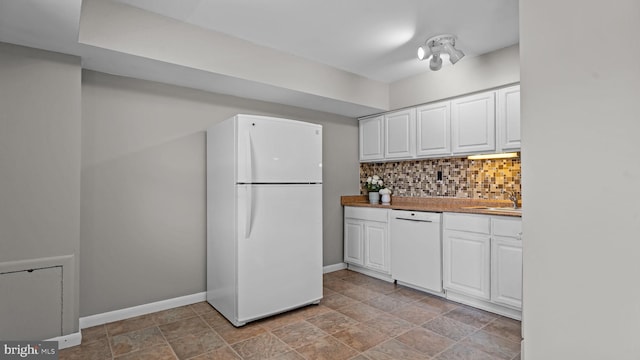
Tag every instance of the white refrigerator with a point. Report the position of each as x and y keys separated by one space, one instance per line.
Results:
x=264 y=216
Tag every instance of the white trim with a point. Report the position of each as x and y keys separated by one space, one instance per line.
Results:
x=111 y=316
x=372 y=273
x=484 y=305
x=67 y=341
x=424 y=290
x=334 y=267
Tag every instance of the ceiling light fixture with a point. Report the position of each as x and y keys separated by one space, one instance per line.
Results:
x=437 y=45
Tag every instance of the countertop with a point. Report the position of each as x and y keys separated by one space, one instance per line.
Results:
x=436 y=204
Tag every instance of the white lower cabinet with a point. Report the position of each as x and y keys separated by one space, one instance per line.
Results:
x=506 y=261
x=506 y=271
x=354 y=241
x=375 y=246
x=482 y=261
x=466 y=263
x=366 y=240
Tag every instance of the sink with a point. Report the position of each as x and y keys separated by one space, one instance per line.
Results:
x=491 y=208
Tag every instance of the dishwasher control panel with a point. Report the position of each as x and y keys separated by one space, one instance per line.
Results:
x=416 y=215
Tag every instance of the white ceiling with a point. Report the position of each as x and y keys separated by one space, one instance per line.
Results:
x=376 y=39
x=373 y=38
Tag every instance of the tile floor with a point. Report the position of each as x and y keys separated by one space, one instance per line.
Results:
x=359 y=318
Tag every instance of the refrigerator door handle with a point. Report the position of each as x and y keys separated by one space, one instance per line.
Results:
x=247 y=231
x=249 y=165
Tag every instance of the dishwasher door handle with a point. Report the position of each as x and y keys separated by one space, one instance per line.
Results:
x=418 y=220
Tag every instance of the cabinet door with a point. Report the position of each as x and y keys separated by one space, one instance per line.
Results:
x=353 y=242
x=466 y=261
x=506 y=271
x=508 y=118
x=473 y=124
x=376 y=246
x=371 y=139
x=433 y=123
x=399 y=134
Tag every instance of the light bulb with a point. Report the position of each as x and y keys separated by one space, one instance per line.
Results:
x=435 y=63
x=423 y=52
x=454 y=54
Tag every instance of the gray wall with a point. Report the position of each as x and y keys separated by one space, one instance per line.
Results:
x=143 y=186
x=40 y=159
x=582 y=220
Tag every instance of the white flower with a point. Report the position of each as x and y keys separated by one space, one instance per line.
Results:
x=384 y=191
x=374 y=183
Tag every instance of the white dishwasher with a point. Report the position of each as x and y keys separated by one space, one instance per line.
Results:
x=416 y=249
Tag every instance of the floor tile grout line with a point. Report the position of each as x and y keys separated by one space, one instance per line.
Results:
x=494 y=334
x=217 y=334
x=168 y=343
x=109 y=341
x=400 y=301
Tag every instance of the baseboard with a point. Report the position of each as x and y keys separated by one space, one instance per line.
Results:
x=111 y=316
x=334 y=267
x=67 y=340
x=372 y=273
x=484 y=305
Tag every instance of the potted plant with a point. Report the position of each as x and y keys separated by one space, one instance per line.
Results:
x=374 y=184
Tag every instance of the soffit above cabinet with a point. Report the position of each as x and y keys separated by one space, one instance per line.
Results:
x=351 y=75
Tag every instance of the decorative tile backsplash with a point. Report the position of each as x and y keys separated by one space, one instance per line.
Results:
x=461 y=177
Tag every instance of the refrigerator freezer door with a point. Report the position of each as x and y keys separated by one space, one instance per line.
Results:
x=272 y=150
x=280 y=262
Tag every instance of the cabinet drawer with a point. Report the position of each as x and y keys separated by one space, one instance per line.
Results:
x=363 y=213
x=472 y=223
x=507 y=227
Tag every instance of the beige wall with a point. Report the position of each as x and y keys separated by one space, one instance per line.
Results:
x=472 y=74
x=143 y=186
x=40 y=160
x=582 y=220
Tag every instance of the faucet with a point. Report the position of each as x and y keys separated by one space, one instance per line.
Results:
x=513 y=196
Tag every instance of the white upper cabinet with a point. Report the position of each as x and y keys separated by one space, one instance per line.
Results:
x=399 y=138
x=473 y=123
x=486 y=122
x=372 y=139
x=508 y=118
x=433 y=124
